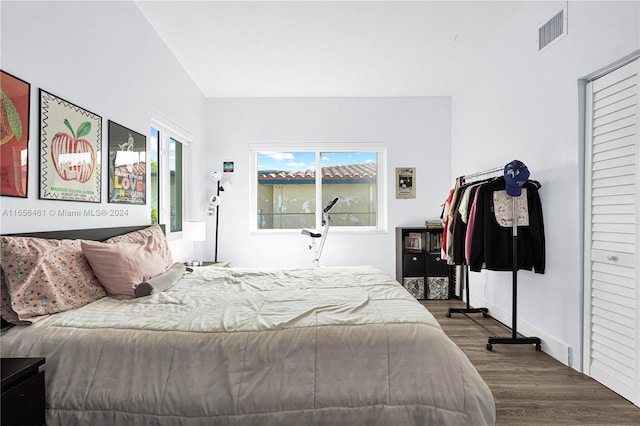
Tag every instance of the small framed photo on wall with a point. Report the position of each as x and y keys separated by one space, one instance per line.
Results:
x=405 y=182
x=70 y=147
x=127 y=165
x=14 y=135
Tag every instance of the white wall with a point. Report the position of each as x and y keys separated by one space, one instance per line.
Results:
x=106 y=58
x=415 y=130
x=524 y=105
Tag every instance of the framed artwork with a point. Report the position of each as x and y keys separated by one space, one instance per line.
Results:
x=70 y=150
x=413 y=242
x=14 y=135
x=405 y=182
x=127 y=165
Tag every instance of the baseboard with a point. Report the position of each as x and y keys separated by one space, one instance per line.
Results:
x=550 y=345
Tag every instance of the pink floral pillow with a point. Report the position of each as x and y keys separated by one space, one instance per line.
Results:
x=6 y=311
x=141 y=235
x=46 y=276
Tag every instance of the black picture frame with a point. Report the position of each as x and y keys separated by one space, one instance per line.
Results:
x=127 y=165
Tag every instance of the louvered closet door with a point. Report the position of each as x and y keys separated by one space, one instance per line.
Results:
x=612 y=295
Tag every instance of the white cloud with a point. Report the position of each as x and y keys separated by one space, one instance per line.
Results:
x=279 y=156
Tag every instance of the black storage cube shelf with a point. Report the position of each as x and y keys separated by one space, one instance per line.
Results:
x=419 y=265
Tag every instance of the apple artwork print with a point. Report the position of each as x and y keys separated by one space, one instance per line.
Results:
x=73 y=157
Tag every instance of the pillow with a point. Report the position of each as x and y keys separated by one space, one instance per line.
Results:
x=162 y=282
x=141 y=235
x=6 y=310
x=46 y=276
x=120 y=267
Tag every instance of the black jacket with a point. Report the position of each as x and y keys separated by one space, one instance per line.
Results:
x=492 y=243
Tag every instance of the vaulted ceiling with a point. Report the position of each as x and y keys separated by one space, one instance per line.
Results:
x=329 y=48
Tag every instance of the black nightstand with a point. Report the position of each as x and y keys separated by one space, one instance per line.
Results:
x=22 y=392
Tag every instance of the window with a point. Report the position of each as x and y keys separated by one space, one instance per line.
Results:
x=155 y=185
x=167 y=184
x=175 y=184
x=293 y=183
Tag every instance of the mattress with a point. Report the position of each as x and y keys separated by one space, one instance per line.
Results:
x=240 y=346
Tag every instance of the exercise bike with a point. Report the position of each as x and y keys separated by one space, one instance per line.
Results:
x=326 y=221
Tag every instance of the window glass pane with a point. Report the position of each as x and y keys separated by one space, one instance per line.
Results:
x=352 y=178
x=175 y=170
x=155 y=186
x=286 y=190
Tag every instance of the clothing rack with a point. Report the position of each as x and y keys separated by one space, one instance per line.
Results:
x=469 y=310
x=515 y=338
x=483 y=174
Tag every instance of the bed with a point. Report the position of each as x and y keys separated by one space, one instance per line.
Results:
x=245 y=346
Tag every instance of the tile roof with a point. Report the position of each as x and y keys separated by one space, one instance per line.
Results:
x=350 y=172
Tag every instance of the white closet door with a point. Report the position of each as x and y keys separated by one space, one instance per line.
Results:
x=612 y=294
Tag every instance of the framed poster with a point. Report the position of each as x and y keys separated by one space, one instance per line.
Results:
x=405 y=182
x=70 y=149
x=14 y=135
x=413 y=242
x=127 y=165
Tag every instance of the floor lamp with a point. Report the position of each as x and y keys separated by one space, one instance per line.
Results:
x=214 y=205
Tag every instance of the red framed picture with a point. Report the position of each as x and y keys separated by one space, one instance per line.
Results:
x=14 y=135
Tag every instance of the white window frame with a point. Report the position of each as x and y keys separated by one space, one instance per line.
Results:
x=169 y=129
x=318 y=147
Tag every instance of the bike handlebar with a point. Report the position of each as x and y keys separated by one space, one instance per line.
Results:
x=330 y=205
x=311 y=233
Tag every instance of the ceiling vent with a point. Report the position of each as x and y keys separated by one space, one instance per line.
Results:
x=553 y=30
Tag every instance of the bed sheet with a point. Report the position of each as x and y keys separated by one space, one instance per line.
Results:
x=325 y=346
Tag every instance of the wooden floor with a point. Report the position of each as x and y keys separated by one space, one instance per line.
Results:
x=529 y=386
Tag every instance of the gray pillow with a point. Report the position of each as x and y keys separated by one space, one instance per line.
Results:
x=161 y=282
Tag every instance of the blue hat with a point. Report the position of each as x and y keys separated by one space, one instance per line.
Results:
x=516 y=174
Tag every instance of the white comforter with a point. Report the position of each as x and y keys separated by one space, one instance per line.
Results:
x=231 y=346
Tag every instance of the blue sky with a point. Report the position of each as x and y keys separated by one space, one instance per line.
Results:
x=295 y=161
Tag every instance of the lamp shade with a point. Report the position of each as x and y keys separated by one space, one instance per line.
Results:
x=194 y=231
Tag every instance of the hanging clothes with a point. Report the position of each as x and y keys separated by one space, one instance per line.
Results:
x=491 y=234
x=460 y=223
x=471 y=222
x=445 y=219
